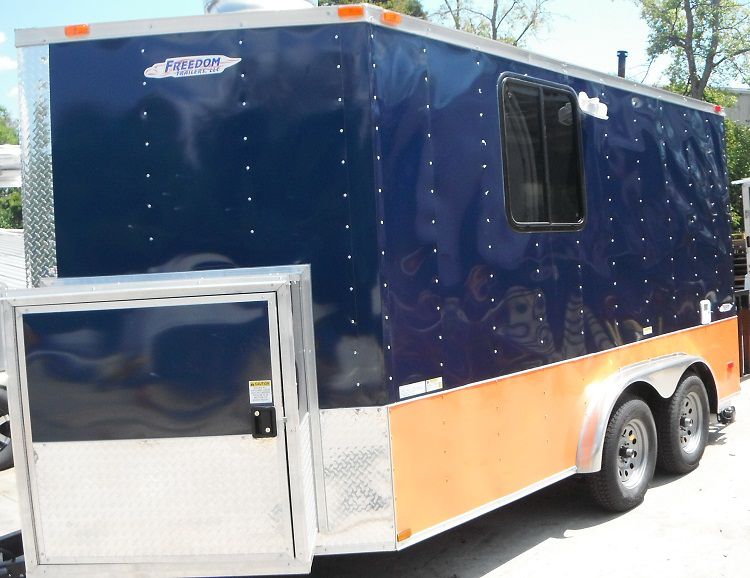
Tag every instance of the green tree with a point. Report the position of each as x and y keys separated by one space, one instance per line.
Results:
x=509 y=21
x=10 y=210
x=738 y=165
x=8 y=128
x=409 y=7
x=737 y=138
x=10 y=199
x=706 y=40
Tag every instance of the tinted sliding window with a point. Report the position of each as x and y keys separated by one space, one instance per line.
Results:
x=542 y=159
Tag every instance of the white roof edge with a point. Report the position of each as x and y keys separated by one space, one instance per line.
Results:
x=197 y=23
x=329 y=15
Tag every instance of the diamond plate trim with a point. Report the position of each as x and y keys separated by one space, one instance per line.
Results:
x=129 y=501
x=358 y=482
x=36 y=164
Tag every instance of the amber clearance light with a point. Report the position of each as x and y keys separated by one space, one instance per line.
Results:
x=77 y=30
x=392 y=18
x=351 y=11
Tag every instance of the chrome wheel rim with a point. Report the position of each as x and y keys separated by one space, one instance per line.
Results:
x=632 y=453
x=691 y=423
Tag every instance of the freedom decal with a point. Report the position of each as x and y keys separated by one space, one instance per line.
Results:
x=190 y=66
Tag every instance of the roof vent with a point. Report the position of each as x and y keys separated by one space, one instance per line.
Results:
x=218 y=6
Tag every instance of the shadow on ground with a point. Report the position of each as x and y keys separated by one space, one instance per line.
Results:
x=482 y=544
x=475 y=548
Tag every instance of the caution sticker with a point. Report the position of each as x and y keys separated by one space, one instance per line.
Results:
x=260 y=391
x=433 y=384
x=420 y=387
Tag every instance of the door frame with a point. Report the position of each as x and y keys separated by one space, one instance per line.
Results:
x=273 y=285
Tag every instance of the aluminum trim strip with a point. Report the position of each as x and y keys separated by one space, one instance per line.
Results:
x=278 y=274
x=131 y=287
x=198 y=23
x=328 y=15
x=36 y=164
x=338 y=549
x=21 y=432
x=146 y=303
x=303 y=526
x=302 y=304
x=27 y=462
x=208 y=567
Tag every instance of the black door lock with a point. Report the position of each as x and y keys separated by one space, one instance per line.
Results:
x=263 y=420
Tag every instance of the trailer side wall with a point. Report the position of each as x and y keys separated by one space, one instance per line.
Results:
x=467 y=297
x=266 y=163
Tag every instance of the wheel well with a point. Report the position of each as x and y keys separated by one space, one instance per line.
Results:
x=646 y=392
x=702 y=371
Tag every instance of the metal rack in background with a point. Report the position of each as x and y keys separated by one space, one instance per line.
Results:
x=742 y=300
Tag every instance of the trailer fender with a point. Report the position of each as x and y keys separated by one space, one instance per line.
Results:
x=662 y=374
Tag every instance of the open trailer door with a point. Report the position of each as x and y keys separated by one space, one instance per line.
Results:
x=159 y=427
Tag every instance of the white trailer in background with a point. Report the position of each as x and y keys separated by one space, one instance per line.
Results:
x=10 y=166
x=12 y=276
x=745 y=219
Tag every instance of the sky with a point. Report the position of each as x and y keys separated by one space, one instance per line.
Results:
x=583 y=32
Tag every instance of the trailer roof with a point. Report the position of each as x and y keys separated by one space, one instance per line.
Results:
x=334 y=15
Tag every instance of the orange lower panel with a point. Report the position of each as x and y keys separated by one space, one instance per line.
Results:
x=465 y=448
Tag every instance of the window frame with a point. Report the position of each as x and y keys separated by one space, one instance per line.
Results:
x=514 y=78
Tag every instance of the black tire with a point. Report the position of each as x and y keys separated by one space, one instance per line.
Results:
x=682 y=423
x=6 y=445
x=628 y=457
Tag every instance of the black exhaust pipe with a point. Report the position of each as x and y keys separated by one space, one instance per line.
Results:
x=622 y=55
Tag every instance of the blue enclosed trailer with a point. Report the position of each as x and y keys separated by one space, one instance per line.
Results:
x=355 y=277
